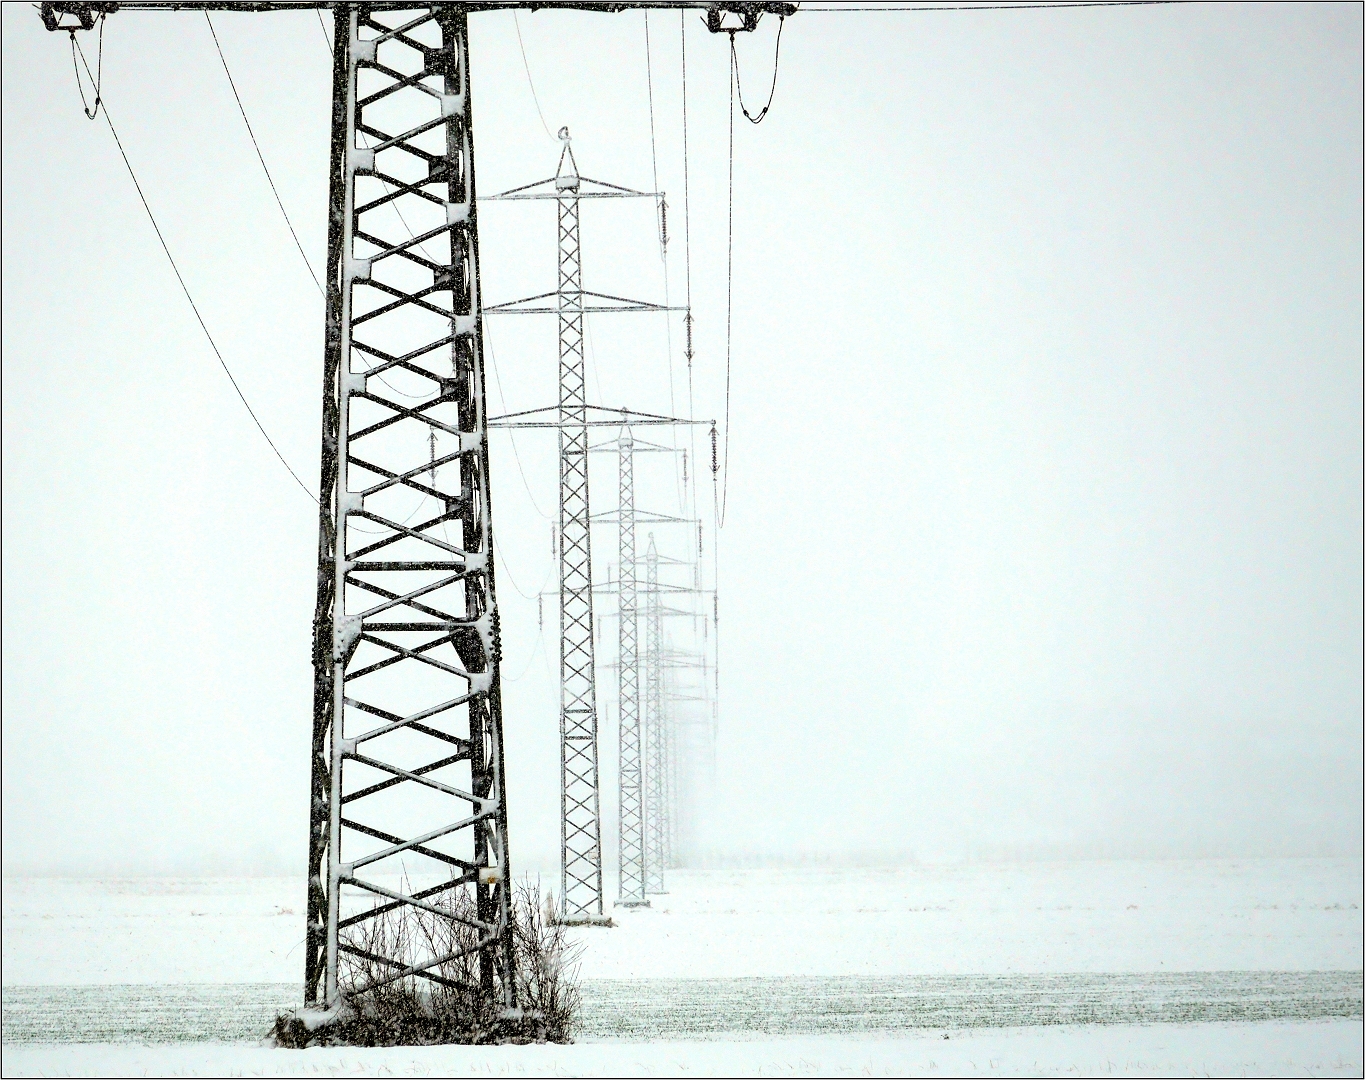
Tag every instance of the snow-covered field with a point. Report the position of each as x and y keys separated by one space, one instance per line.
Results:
x=1320 y=1049
x=790 y=971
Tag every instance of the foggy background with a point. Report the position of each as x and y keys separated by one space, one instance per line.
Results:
x=1044 y=505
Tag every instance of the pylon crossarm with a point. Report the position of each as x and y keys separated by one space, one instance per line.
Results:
x=748 y=10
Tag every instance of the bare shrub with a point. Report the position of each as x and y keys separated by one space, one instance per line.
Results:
x=453 y=1007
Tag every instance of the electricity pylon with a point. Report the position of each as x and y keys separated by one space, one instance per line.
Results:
x=402 y=140
x=656 y=754
x=631 y=810
x=632 y=772
x=581 y=885
x=402 y=728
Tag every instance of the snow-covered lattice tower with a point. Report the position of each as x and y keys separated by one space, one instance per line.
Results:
x=631 y=888
x=656 y=738
x=407 y=783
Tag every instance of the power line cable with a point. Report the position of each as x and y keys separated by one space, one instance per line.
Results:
x=688 y=350
x=261 y=157
x=185 y=288
x=734 y=62
x=530 y=659
x=729 y=297
x=653 y=151
x=529 y=81
x=497 y=554
x=497 y=381
x=663 y=256
x=90 y=111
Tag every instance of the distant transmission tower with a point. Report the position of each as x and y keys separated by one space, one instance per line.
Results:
x=656 y=739
x=581 y=885
x=580 y=821
x=633 y=771
x=631 y=891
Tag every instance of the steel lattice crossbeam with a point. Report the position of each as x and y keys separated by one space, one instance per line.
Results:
x=408 y=790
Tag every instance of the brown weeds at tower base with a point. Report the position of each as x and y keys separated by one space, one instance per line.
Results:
x=417 y=1011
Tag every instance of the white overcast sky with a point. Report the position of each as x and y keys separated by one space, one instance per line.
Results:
x=1044 y=526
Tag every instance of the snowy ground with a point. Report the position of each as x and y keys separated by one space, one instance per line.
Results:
x=1325 y=1048
x=791 y=972
x=1036 y=918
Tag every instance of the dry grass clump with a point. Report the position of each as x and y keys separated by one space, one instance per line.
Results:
x=416 y=1011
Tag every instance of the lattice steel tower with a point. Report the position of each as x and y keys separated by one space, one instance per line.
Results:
x=580 y=820
x=407 y=720
x=581 y=882
x=631 y=890
x=656 y=739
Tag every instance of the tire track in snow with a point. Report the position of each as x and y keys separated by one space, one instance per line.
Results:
x=639 y=1009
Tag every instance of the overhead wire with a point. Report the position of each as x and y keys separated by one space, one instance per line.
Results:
x=689 y=350
x=497 y=381
x=90 y=111
x=529 y=81
x=663 y=256
x=729 y=300
x=261 y=157
x=497 y=554
x=184 y=287
x=734 y=63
